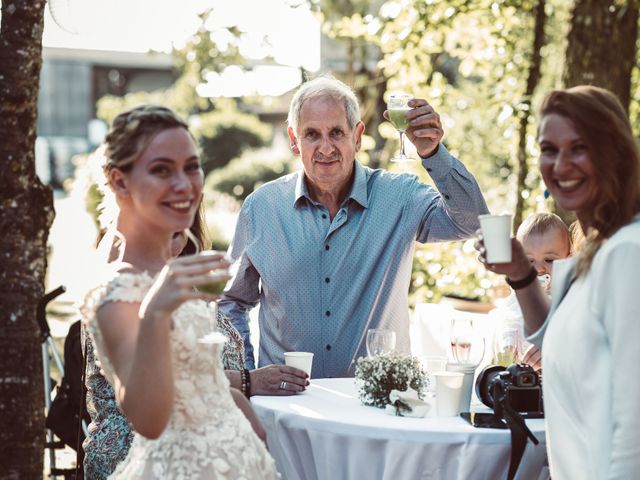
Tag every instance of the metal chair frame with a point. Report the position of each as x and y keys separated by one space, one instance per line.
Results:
x=49 y=351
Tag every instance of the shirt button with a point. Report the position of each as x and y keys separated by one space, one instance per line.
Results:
x=326 y=247
x=328 y=347
x=324 y=215
x=327 y=280
x=447 y=197
x=327 y=313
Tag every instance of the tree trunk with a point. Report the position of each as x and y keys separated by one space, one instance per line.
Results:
x=601 y=45
x=26 y=213
x=533 y=79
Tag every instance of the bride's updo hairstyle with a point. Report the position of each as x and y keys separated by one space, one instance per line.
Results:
x=132 y=131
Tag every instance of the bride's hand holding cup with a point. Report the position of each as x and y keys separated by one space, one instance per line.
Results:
x=218 y=275
x=181 y=279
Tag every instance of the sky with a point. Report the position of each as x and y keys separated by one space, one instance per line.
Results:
x=270 y=27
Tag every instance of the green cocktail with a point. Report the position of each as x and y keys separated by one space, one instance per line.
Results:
x=397 y=108
x=214 y=288
x=399 y=118
x=506 y=357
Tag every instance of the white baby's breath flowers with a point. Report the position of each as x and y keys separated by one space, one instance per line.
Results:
x=380 y=374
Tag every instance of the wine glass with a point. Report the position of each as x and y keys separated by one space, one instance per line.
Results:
x=467 y=345
x=507 y=344
x=397 y=108
x=380 y=341
x=216 y=287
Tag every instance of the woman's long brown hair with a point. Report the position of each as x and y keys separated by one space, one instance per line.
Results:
x=602 y=123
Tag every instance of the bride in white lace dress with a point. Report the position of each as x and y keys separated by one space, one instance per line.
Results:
x=146 y=317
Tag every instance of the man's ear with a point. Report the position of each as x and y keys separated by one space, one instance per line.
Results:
x=118 y=182
x=358 y=131
x=294 y=141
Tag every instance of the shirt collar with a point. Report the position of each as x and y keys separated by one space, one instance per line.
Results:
x=301 y=189
x=358 y=189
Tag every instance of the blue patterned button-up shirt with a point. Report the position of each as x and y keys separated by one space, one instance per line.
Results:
x=322 y=283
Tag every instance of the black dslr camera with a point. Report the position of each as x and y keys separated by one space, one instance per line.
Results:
x=518 y=386
x=514 y=393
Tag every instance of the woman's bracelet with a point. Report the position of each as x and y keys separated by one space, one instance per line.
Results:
x=525 y=282
x=245 y=382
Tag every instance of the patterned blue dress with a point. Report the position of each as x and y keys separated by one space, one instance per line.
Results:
x=110 y=434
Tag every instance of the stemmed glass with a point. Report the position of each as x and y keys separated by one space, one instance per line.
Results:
x=214 y=287
x=467 y=346
x=508 y=344
x=380 y=341
x=397 y=107
x=432 y=364
x=467 y=350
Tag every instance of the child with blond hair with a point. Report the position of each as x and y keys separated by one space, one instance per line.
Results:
x=545 y=238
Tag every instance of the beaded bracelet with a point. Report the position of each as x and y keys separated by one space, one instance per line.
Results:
x=525 y=282
x=245 y=382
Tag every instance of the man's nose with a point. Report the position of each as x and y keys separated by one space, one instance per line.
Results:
x=326 y=147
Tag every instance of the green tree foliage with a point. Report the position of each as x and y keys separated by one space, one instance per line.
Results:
x=209 y=49
x=222 y=126
x=343 y=23
x=533 y=78
x=225 y=133
x=246 y=173
x=450 y=269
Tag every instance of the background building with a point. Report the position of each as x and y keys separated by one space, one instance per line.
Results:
x=71 y=82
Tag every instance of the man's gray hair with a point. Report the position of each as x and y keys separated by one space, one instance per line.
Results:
x=324 y=86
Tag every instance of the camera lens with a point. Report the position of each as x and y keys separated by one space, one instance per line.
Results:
x=485 y=378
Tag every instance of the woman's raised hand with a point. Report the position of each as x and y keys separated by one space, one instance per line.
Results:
x=517 y=269
x=177 y=282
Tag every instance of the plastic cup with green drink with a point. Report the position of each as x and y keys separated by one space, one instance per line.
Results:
x=220 y=275
x=216 y=287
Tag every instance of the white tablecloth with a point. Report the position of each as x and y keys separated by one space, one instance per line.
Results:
x=325 y=433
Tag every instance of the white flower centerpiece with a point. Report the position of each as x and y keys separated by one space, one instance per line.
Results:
x=378 y=376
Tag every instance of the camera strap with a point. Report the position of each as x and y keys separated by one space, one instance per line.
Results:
x=517 y=427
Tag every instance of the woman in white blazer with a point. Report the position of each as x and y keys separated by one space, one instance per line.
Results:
x=589 y=334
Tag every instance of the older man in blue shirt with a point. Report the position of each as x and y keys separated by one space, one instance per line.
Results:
x=327 y=251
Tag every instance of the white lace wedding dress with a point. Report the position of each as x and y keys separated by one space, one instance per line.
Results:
x=207 y=436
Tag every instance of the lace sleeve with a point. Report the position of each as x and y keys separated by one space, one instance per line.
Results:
x=123 y=287
x=233 y=350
